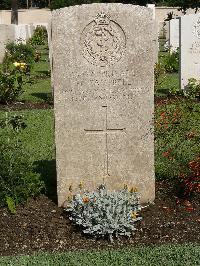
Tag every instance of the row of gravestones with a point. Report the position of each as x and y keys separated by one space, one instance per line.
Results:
x=15 y=33
x=184 y=33
x=103 y=58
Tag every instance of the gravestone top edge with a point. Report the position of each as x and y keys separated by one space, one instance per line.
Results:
x=83 y=6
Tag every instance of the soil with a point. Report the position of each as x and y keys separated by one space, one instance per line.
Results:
x=17 y=106
x=40 y=225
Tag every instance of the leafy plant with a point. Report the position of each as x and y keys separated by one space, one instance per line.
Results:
x=192 y=90
x=12 y=81
x=171 y=62
x=39 y=37
x=18 y=181
x=105 y=213
x=18 y=52
x=189 y=182
x=177 y=136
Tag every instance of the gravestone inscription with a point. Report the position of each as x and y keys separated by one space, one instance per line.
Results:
x=104 y=97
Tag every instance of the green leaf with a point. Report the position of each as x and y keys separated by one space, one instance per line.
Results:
x=11 y=204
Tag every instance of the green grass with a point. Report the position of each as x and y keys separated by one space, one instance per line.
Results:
x=169 y=81
x=168 y=255
x=38 y=139
x=40 y=90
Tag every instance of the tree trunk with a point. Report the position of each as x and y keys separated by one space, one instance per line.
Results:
x=14 y=12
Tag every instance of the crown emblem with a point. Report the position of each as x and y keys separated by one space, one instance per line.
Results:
x=102 y=19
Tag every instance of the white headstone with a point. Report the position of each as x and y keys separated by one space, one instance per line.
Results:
x=189 y=48
x=21 y=33
x=103 y=70
x=174 y=34
x=7 y=34
x=153 y=7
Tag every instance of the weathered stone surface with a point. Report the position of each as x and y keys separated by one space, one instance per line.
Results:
x=174 y=34
x=103 y=59
x=7 y=34
x=189 y=48
x=22 y=33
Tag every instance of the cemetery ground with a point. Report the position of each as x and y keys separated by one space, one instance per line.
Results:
x=39 y=225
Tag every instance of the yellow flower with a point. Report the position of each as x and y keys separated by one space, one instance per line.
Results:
x=134 y=215
x=80 y=185
x=125 y=186
x=69 y=198
x=22 y=66
x=133 y=190
x=16 y=64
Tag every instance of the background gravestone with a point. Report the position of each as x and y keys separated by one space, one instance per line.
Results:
x=174 y=34
x=189 y=48
x=103 y=65
x=7 y=34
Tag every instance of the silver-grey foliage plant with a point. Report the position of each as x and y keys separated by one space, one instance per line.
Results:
x=105 y=213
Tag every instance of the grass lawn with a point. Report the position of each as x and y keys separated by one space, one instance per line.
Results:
x=176 y=255
x=40 y=89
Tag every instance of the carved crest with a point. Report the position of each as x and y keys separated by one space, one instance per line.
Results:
x=197 y=28
x=103 y=41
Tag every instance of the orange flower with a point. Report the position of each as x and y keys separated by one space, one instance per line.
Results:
x=86 y=199
x=167 y=153
x=163 y=114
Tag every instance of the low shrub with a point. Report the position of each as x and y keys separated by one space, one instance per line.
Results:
x=189 y=182
x=105 y=213
x=18 y=52
x=192 y=90
x=177 y=136
x=18 y=181
x=39 y=37
x=11 y=82
x=171 y=62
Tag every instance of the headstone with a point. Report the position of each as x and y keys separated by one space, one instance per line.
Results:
x=189 y=48
x=166 y=31
x=156 y=46
x=103 y=70
x=153 y=7
x=7 y=34
x=21 y=33
x=174 y=34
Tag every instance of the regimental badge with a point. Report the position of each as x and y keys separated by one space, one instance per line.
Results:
x=103 y=41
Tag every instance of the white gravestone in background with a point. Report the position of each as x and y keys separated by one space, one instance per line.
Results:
x=174 y=34
x=189 y=48
x=21 y=33
x=7 y=34
x=103 y=74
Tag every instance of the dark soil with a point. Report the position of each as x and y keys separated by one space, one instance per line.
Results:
x=17 y=106
x=41 y=226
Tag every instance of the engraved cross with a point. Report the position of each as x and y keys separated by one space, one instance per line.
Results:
x=105 y=132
